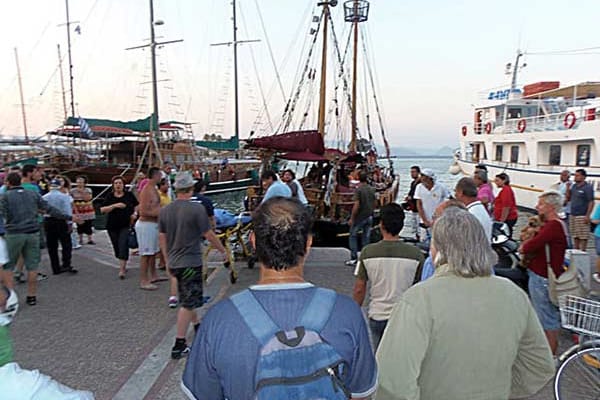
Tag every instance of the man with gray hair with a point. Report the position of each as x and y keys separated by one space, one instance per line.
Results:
x=429 y=194
x=427 y=350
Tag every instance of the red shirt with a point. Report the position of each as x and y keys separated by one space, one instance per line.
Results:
x=552 y=234
x=506 y=198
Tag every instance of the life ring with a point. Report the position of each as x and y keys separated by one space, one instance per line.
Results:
x=488 y=128
x=570 y=120
x=521 y=125
x=464 y=130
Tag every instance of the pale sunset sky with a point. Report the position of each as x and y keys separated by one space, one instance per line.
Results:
x=434 y=59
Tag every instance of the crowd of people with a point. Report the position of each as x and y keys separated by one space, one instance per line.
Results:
x=434 y=320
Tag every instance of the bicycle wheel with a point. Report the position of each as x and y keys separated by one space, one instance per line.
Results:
x=579 y=376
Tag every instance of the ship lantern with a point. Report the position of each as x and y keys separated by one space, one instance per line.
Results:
x=356 y=10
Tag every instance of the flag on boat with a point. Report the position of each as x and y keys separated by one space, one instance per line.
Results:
x=85 y=128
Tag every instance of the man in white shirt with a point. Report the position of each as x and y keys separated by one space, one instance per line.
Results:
x=466 y=192
x=429 y=194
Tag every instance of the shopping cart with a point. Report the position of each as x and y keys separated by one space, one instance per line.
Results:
x=578 y=376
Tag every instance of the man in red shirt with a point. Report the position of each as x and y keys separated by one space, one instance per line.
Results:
x=505 y=205
x=552 y=235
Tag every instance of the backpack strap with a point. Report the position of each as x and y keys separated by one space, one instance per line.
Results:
x=318 y=311
x=254 y=315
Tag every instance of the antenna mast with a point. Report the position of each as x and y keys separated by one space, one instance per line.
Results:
x=21 y=95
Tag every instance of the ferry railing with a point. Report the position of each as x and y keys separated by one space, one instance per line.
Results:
x=552 y=122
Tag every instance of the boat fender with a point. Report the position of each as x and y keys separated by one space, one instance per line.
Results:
x=570 y=120
x=464 y=130
x=454 y=169
x=488 y=128
x=521 y=125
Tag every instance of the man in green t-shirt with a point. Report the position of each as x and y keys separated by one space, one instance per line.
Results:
x=391 y=266
x=361 y=218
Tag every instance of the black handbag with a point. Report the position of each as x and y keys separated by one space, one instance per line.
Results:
x=132 y=242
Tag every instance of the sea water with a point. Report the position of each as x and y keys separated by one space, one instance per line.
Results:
x=233 y=201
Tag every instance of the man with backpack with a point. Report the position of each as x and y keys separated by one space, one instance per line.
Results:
x=283 y=337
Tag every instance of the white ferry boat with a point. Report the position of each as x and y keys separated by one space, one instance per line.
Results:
x=534 y=134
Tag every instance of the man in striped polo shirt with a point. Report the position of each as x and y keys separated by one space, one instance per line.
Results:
x=391 y=265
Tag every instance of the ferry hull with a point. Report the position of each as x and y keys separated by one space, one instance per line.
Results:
x=527 y=182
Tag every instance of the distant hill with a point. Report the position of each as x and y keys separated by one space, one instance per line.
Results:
x=420 y=152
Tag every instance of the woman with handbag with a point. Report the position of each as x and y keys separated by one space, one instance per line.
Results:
x=547 y=253
x=120 y=206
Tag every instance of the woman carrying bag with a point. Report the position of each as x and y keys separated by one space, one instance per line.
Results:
x=119 y=205
x=552 y=240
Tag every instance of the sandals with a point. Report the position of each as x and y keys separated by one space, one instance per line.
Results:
x=159 y=279
x=148 y=286
x=122 y=275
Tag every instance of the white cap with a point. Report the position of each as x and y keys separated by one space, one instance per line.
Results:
x=428 y=172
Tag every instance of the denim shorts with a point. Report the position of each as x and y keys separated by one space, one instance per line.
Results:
x=547 y=312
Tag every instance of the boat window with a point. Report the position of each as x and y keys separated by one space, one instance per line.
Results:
x=515 y=113
x=554 y=154
x=499 y=149
x=514 y=154
x=583 y=155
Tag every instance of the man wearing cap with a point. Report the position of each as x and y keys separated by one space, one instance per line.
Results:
x=429 y=194
x=59 y=230
x=181 y=225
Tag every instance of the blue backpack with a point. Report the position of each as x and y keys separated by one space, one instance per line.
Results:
x=299 y=364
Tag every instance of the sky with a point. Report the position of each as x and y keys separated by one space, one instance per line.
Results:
x=433 y=60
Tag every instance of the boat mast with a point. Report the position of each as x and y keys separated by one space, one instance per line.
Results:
x=62 y=83
x=154 y=121
x=323 y=88
x=235 y=77
x=21 y=95
x=154 y=124
x=235 y=44
x=68 y=24
x=355 y=11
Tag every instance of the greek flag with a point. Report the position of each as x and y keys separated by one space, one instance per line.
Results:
x=84 y=128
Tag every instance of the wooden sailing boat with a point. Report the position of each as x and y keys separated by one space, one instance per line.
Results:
x=326 y=189
x=109 y=148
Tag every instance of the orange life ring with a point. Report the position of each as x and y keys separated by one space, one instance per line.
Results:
x=570 y=120
x=488 y=128
x=521 y=125
x=464 y=130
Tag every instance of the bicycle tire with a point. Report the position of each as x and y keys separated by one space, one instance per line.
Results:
x=579 y=376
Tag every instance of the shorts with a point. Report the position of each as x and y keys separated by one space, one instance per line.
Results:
x=547 y=313
x=578 y=228
x=147 y=236
x=85 y=227
x=27 y=244
x=597 y=242
x=189 y=285
x=3 y=252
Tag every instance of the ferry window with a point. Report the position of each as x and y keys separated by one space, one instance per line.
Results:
x=514 y=113
x=554 y=155
x=583 y=155
x=514 y=154
x=499 y=153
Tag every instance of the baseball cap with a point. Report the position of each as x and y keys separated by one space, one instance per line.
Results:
x=183 y=180
x=55 y=183
x=428 y=172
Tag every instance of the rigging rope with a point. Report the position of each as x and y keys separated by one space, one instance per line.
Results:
x=375 y=99
x=291 y=105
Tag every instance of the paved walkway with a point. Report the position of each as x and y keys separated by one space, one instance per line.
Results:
x=93 y=331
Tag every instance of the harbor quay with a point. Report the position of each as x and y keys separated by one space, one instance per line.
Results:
x=95 y=332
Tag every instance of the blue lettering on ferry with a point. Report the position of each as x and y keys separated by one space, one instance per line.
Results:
x=499 y=95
